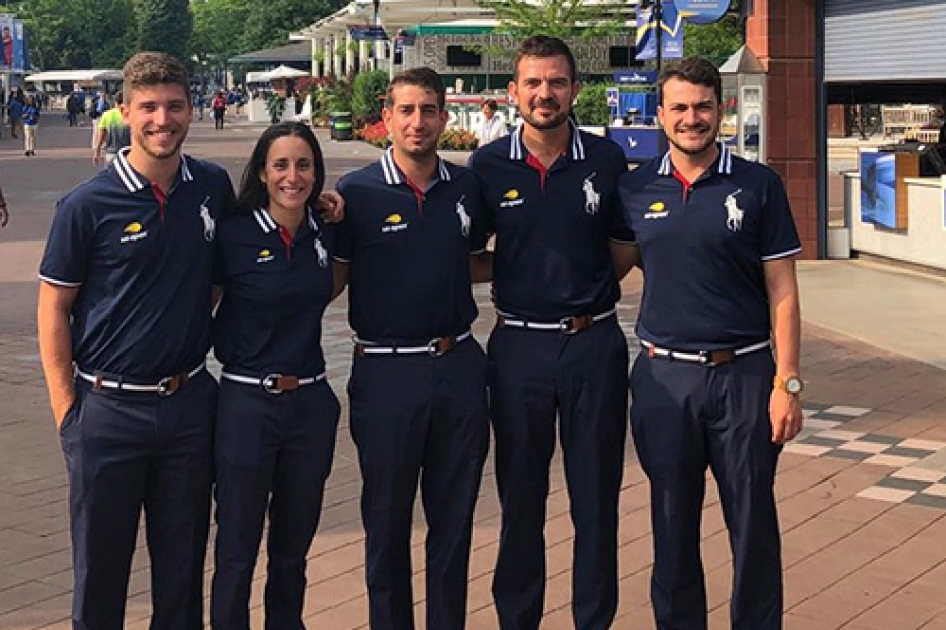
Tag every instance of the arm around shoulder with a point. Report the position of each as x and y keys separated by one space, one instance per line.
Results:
x=624 y=257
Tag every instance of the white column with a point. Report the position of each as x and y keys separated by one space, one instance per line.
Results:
x=363 y=55
x=318 y=50
x=349 y=52
x=337 y=67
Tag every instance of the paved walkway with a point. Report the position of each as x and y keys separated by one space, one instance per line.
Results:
x=862 y=493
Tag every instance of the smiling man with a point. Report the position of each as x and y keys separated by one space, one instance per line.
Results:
x=418 y=383
x=716 y=237
x=558 y=356
x=124 y=327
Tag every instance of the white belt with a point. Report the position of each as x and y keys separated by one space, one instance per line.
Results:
x=567 y=325
x=274 y=383
x=704 y=357
x=164 y=387
x=438 y=346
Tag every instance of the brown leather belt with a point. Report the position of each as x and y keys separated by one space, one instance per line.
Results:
x=436 y=347
x=274 y=383
x=567 y=325
x=708 y=358
x=164 y=387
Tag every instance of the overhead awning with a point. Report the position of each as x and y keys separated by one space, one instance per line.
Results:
x=56 y=76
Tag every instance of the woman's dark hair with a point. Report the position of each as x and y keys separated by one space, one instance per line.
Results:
x=253 y=194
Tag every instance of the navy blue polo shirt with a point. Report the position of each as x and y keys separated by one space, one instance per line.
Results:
x=276 y=287
x=703 y=247
x=552 y=227
x=409 y=251
x=142 y=260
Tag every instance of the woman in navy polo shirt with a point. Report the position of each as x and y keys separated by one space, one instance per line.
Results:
x=277 y=415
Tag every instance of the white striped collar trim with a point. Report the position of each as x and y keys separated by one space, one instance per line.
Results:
x=393 y=176
x=723 y=163
x=134 y=182
x=517 y=149
x=268 y=223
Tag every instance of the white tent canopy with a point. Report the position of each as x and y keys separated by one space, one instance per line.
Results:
x=53 y=76
x=281 y=72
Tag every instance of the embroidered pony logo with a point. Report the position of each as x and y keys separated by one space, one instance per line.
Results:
x=734 y=212
x=464 y=217
x=592 y=196
x=321 y=252
x=210 y=226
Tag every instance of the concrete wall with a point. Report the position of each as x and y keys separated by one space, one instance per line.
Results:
x=923 y=241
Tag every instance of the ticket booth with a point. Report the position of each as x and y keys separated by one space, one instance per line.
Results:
x=634 y=126
x=742 y=127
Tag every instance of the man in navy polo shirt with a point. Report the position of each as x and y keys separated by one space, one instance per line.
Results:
x=718 y=243
x=125 y=301
x=418 y=383
x=557 y=350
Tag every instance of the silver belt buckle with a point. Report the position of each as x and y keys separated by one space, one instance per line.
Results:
x=270 y=383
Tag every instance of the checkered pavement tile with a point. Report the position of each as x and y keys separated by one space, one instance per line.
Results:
x=914 y=480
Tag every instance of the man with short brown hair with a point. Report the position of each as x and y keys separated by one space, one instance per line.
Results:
x=124 y=328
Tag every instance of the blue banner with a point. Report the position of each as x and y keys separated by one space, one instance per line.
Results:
x=671 y=37
x=13 y=37
x=702 y=11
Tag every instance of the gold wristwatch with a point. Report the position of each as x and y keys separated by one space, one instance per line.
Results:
x=790 y=384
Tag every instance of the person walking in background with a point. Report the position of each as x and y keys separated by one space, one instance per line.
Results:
x=219 y=107
x=98 y=107
x=418 y=381
x=112 y=134
x=276 y=415
x=200 y=103
x=30 y=118
x=124 y=321
x=493 y=126
x=558 y=356
x=718 y=243
x=15 y=111
x=72 y=109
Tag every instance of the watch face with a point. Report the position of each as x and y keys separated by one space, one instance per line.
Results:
x=793 y=385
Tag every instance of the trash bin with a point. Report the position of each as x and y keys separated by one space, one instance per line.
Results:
x=341 y=126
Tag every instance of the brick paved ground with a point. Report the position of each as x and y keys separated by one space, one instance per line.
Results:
x=862 y=493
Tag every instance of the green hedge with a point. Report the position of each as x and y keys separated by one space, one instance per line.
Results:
x=367 y=96
x=591 y=108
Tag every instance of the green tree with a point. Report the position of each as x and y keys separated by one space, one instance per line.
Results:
x=716 y=41
x=269 y=23
x=165 y=25
x=218 y=32
x=92 y=33
x=558 y=18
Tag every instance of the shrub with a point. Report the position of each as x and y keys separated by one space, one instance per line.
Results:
x=368 y=92
x=376 y=134
x=457 y=140
x=591 y=108
x=337 y=96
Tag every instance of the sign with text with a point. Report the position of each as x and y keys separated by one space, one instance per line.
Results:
x=702 y=11
x=592 y=55
x=671 y=33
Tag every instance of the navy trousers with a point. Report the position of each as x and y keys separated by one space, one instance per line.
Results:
x=273 y=451
x=686 y=417
x=418 y=418
x=536 y=377
x=125 y=451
